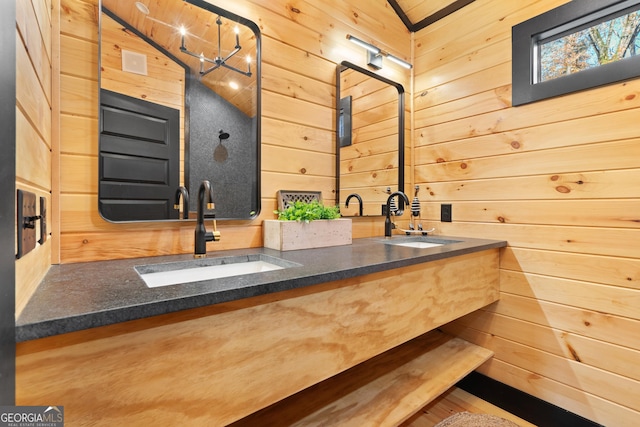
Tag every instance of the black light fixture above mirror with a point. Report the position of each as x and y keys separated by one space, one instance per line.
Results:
x=218 y=61
x=375 y=54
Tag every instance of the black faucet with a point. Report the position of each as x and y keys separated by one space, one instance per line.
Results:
x=388 y=225
x=357 y=196
x=202 y=236
x=182 y=191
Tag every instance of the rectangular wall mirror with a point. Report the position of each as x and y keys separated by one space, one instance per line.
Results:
x=179 y=104
x=370 y=140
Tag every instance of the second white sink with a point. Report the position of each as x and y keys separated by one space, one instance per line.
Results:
x=419 y=245
x=156 y=275
x=420 y=242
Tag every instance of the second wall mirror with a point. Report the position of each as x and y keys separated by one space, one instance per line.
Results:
x=179 y=103
x=370 y=140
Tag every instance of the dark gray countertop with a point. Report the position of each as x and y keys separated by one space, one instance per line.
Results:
x=79 y=296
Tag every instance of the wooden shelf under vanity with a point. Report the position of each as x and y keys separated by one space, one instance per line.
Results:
x=385 y=390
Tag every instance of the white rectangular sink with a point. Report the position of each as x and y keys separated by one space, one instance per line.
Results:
x=419 y=242
x=419 y=245
x=173 y=273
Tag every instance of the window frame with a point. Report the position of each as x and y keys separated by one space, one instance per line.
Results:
x=574 y=15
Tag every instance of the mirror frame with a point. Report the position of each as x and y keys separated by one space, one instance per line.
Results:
x=258 y=99
x=344 y=65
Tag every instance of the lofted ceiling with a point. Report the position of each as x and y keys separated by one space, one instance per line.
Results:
x=417 y=14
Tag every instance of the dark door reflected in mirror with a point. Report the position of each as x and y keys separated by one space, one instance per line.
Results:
x=179 y=104
x=370 y=140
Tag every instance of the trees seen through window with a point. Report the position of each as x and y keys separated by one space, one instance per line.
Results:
x=608 y=41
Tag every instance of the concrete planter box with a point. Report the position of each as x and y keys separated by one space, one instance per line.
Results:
x=293 y=235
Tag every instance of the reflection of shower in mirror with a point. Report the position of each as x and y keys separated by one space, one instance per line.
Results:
x=220 y=154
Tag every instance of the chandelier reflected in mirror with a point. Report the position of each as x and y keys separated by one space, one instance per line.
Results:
x=218 y=61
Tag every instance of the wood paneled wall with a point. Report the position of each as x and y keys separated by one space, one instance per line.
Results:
x=559 y=180
x=34 y=129
x=302 y=43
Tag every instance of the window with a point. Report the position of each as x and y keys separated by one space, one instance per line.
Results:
x=603 y=43
x=575 y=47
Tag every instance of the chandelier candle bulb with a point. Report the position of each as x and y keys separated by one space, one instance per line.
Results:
x=183 y=32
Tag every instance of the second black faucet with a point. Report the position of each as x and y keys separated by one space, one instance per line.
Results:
x=388 y=225
x=202 y=236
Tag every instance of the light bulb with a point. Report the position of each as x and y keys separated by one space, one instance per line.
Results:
x=142 y=7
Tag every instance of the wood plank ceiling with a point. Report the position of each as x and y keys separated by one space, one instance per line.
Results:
x=417 y=14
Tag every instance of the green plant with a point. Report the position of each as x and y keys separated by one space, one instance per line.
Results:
x=303 y=211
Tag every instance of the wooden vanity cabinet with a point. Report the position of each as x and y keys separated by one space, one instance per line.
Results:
x=218 y=364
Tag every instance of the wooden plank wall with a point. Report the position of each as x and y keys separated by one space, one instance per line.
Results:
x=302 y=43
x=560 y=181
x=34 y=53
